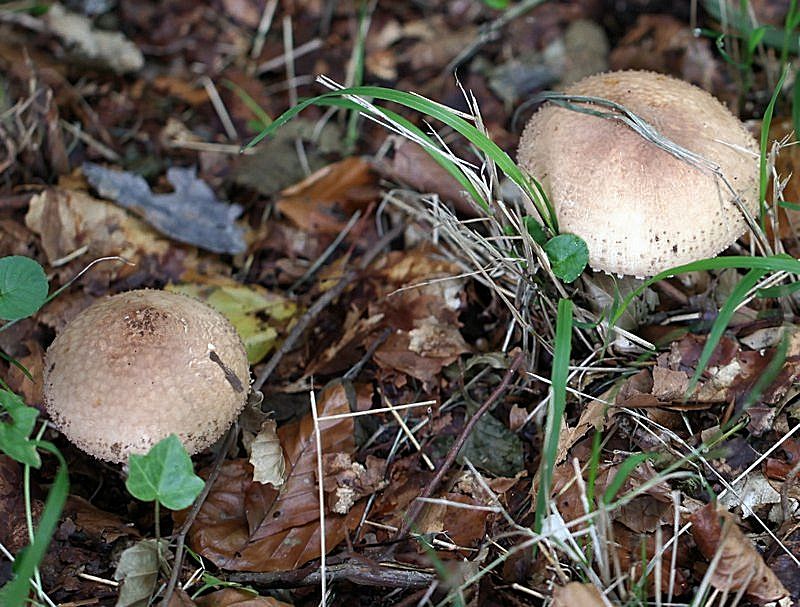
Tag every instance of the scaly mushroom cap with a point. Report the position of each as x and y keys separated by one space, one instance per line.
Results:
x=640 y=209
x=136 y=367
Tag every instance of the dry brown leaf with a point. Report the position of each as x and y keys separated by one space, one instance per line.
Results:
x=247 y=526
x=324 y=201
x=593 y=416
x=233 y=597
x=575 y=593
x=740 y=564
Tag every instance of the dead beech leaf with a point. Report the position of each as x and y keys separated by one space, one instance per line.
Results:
x=247 y=526
x=740 y=564
x=593 y=416
x=324 y=201
x=233 y=597
x=266 y=456
x=575 y=593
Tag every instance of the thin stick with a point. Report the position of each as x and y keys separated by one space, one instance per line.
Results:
x=433 y=485
x=198 y=503
x=323 y=580
x=324 y=301
x=219 y=108
x=263 y=27
x=424 y=403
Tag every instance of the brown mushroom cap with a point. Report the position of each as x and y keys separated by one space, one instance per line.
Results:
x=136 y=367
x=640 y=209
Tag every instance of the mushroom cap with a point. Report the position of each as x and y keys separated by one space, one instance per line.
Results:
x=134 y=368
x=640 y=209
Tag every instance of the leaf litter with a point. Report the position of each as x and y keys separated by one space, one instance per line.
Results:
x=430 y=316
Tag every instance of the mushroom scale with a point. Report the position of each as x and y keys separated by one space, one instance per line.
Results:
x=639 y=208
x=134 y=368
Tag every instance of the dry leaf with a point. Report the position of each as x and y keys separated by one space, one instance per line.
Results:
x=575 y=593
x=266 y=456
x=233 y=597
x=247 y=526
x=739 y=565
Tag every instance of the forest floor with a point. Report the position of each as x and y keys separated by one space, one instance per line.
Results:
x=362 y=279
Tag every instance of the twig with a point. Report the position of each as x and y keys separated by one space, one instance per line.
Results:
x=415 y=509
x=180 y=543
x=360 y=573
x=324 y=301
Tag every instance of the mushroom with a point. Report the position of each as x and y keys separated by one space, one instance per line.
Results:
x=640 y=208
x=134 y=368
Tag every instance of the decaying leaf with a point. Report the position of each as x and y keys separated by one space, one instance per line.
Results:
x=266 y=456
x=89 y=45
x=138 y=570
x=347 y=481
x=247 y=526
x=739 y=565
x=191 y=214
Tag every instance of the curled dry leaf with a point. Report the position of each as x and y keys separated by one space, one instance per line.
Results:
x=739 y=565
x=575 y=593
x=266 y=456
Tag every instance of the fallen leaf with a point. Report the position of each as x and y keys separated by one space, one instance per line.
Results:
x=138 y=571
x=247 y=526
x=89 y=45
x=739 y=565
x=324 y=201
x=233 y=597
x=191 y=214
x=266 y=456
x=260 y=317
x=575 y=593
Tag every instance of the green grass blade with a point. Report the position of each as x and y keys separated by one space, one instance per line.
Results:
x=624 y=470
x=763 y=182
x=16 y=591
x=773 y=263
x=721 y=323
x=444 y=115
x=558 y=402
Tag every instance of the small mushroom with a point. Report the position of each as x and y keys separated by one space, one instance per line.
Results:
x=640 y=208
x=134 y=368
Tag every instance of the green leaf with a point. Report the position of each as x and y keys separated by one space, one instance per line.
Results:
x=627 y=466
x=15 y=436
x=491 y=446
x=568 y=256
x=165 y=474
x=23 y=287
x=535 y=229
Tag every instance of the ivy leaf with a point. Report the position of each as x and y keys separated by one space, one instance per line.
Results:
x=23 y=287
x=568 y=255
x=15 y=435
x=165 y=473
